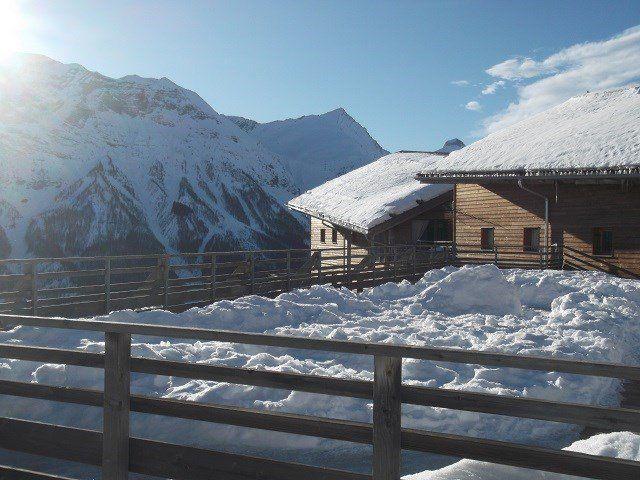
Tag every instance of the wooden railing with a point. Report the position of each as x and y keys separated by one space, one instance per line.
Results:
x=118 y=454
x=573 y=258
x=81 y=286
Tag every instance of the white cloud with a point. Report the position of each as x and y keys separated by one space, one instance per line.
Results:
x=492 y=87
x=460 y=83
x=473 y=106
x=571 y=71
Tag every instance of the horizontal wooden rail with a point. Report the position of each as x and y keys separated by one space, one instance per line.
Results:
x=529 y=362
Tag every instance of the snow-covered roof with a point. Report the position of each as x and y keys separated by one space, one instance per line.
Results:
x=592 y=134
x=371 y=195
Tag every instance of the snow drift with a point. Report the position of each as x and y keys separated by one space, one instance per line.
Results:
x=581 y=315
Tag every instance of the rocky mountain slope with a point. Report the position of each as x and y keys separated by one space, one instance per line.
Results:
x=316 y=148
x=91 y=164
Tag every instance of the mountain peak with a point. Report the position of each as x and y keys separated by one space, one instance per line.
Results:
x=451 y=145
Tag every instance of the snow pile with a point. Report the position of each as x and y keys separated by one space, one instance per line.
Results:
x=624 y=445
x=369 y=195
x=598 y=129
x=585 y=315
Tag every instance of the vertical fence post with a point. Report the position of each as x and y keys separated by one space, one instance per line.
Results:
x=34 y=287
x=214 y=273
x=289 y=270
x=415 y=262
x=107 y=284
x=495 y=255
x=319 y=267
x=165 y=281
x=115 y=427
x=387 y=418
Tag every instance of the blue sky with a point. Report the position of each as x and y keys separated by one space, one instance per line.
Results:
x=389 y=64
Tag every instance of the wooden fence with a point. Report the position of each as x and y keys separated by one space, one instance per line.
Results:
x=81 y=286
x=118 y=454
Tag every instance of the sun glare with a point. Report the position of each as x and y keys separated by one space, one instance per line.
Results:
x=12 y=24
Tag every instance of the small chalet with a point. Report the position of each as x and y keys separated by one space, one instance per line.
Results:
x=378 y=204
x=569 y=176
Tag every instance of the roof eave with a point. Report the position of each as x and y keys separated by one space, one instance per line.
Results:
x=328 y=218
x=475 y=176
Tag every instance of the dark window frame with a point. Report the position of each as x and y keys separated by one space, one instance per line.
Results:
x=334 y=235
x=602 y=242
x=323 y=235
x=531 y=246
x=484 y=239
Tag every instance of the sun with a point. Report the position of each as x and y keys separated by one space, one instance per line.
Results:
x=12 y=24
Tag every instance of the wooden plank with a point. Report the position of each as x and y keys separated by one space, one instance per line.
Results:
x=115 y=425
x=188 y=463
x=156 y=458
x=52 y=393
x=245 y=376
x=12 y=473
x=335 y=429
x=517 y=455
x=475 y=357
x=52 y=355
x=387 y=418
x=605 y=418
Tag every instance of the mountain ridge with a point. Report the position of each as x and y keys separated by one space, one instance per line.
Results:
x=137 y=162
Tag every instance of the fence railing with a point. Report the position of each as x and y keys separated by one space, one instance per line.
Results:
x=80 y=286
x=118 y=453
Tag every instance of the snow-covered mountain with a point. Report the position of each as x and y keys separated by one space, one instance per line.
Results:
x=93 y=164
x=451 y=145
x=316 y=148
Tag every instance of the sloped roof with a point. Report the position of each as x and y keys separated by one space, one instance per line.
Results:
x=595 y=134
x=373 y=194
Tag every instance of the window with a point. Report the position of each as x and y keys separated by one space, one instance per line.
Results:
x=486 y=239
x=334 y=235
x=323 y=235
x=531 y=240
x=431 y=230
x=602 y=241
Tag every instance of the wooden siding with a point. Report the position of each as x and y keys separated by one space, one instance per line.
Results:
x=360 y=245
x=578 y=210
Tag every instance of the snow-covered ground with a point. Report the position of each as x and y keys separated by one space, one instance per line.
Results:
x=585 y=315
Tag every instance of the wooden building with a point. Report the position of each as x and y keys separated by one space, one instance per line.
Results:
x=375 y=206
x=568 y=178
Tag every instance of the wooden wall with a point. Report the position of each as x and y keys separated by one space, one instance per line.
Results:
x=400 y=234
x=579 y=209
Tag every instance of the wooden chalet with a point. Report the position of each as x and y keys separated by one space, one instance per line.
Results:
x=377 y=205
x=565 y=179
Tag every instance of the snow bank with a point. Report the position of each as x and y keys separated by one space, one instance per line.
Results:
x=369 y=195
x=599 y=129
x=585 y=315
x=624 y=445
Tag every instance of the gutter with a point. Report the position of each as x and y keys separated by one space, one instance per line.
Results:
x=546 y=217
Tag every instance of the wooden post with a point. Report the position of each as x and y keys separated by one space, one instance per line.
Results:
x=495 y=255
x=348 y=279
x=319 y=267
x=115 y=427
x=107 y=284
x=289 y=270
x=214 y=273
x=165 y=281
x=415 y=262
x=34 y=287
x=387 y=418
